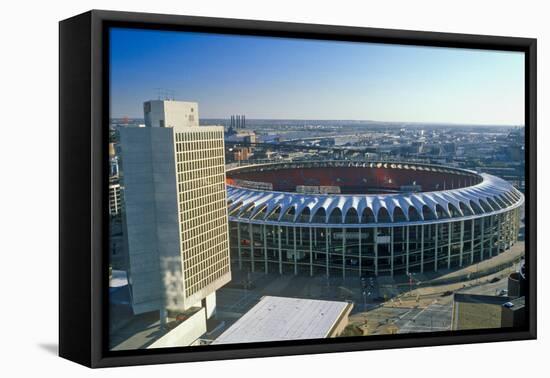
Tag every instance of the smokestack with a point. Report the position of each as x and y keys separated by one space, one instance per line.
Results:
x=238 y=121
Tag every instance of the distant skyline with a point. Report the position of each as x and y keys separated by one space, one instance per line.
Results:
x=280 y=78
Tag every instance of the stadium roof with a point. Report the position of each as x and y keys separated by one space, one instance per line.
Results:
x=491 y=195
x=282 y=318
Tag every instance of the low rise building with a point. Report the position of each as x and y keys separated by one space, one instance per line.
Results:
x=283 y=318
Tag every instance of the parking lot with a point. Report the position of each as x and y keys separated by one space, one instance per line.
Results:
x=381 y=304
x=435 y=317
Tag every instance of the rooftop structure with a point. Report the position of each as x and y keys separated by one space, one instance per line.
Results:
x=514 y=313
x=281 y=318
x=171 y=113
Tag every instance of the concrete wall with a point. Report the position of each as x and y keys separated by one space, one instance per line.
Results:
x=210 y=305
x=514 y=316
x=153 y=112
x=139 y=219
x=341 y=323
x=181 y=114
x=150 y=219
x=185 y=333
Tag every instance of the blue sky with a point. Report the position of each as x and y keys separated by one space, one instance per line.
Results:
x=306 y=79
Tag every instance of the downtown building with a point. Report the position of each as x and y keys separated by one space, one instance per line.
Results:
x=174 y=212
x=114 y=185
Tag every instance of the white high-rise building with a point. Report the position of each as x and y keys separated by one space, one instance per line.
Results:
x=175 y=213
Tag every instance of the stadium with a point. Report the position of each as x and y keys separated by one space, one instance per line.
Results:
x=367 y=218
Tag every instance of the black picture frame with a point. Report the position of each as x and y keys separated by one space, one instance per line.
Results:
x=83 y=182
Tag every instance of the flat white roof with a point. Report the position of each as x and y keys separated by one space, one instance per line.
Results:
x=282 y=318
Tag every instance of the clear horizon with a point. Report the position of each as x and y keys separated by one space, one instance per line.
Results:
x=351 y=120
x=296 y=79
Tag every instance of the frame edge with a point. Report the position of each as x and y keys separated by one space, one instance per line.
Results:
x=75 y=334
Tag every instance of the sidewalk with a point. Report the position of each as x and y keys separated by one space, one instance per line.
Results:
x=478 y=270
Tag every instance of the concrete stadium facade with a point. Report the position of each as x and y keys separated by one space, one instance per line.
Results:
x=377 y=218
